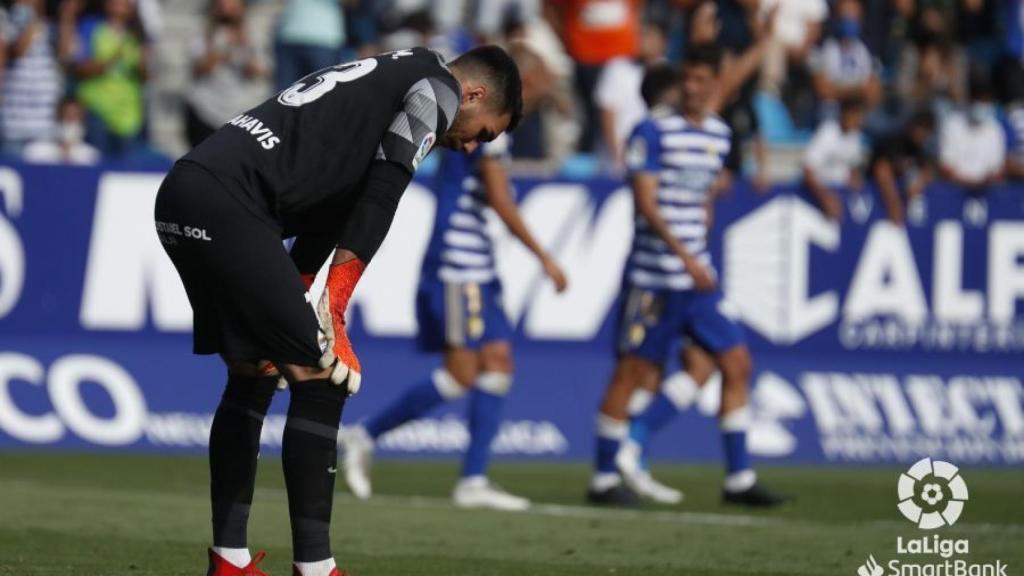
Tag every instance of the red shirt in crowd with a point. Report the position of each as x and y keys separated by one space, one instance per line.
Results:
x=596 y=31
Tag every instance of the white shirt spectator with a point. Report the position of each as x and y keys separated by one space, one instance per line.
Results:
x=974 y=151
x=1015 y=130
x=793 y=17
x=51 y=152
x=834 y=155
x=618 y=90
x=491 y=15
x=151 y=17
x=845 y=64
x=226 y=90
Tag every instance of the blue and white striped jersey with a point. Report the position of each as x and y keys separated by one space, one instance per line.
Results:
x=687 y=159
x=460 y=249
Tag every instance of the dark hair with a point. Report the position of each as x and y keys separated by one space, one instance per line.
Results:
x=851 y=104
x=691 y=17
x=921 y=118
x=703 y=55
x=1009 y=80
x=68 y=99
x=658 y=79
x=979 y=81
x=494 y=66
x=660 y=26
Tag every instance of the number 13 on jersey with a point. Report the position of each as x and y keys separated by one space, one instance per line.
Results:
x=305 y=91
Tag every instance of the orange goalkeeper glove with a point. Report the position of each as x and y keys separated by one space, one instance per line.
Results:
x=341 y=281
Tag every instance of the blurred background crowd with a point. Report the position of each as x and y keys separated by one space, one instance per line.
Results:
x=829 y=92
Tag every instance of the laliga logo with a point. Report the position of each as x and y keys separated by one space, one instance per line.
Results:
x=932 y=494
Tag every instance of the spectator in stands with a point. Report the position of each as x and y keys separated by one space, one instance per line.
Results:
x=972 y=143
x=744 y=36
x=491 y=15
x=932 y=67
x=33 y=81
x=885 y=30
x=548 y=134
x=703 y=24
x=1011 y=15
x=617 y=95
x=226 y=71
x=903 y=165
x=844 y=67
x=594 y=32
x=976 y=28
x=3 y=47
x=3 y=64
x=310 y=35
x=418 y=28
x=111 y=68
x=1010 y=82
x=361 y=29
x=150 y=19
x=798 y=27
x=834 y=158
x=68 y=145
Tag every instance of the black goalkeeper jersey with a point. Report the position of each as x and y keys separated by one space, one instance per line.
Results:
x=301 y=156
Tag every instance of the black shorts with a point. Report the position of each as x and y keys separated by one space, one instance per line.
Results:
x=248 y=300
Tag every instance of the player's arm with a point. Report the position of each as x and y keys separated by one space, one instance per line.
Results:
x=495 y=182
x=888 y=188
x=739 y=69
x=428 y=109
x=723 y=183
x=605 y=96
x=828 y=200
x=366 y=225
x=370 y=218
x=23 y=42
x=737 y=72
x=645 y=194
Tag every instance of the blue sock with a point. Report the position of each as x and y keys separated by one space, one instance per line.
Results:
x=610 y=433
x=415 y=402
x=736 y=458
x=658 y=414
x=485 y=404
x=734 y=427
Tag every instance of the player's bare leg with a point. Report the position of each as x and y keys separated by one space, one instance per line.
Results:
x=461 y=367
x=488 y=373
x=613 y=427
x=631 y=460
x=487 y=398
x=652 y=411
x=741 y=484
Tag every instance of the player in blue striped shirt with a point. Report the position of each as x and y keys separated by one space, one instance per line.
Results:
x=676 y=158
x=460 y=313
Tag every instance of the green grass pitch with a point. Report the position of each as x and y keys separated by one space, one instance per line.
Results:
x=99 y=515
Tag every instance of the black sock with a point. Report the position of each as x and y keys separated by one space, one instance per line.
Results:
x=309 y=453
x=234 y=448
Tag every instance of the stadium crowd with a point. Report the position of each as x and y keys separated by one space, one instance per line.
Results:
x=895 y=91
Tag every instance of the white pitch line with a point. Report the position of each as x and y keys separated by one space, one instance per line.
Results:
x=589 y=512
x=663 y=516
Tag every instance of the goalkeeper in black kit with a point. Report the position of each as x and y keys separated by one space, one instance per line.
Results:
x=326 y=162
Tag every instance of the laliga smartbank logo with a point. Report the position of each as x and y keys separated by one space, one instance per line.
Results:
x=932 y=494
